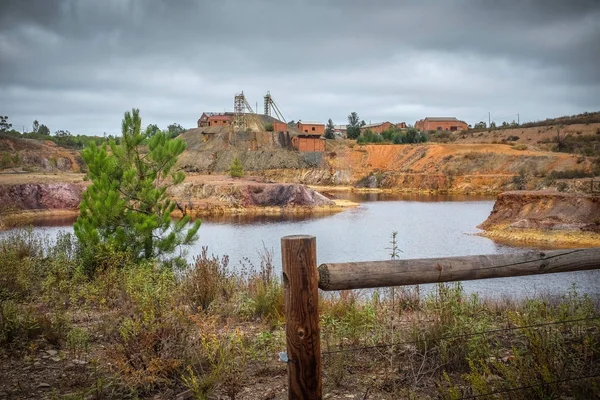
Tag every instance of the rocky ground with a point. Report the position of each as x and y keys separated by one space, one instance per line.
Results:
x=23 y=197
x=545 y=218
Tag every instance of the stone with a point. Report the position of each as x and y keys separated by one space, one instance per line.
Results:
x=52 y=352
x=43 y=385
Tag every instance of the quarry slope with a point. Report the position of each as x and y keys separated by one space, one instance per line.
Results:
x=30 y=155
x=432 y=167
x=545 y=218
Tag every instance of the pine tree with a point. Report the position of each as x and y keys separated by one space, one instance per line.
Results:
x=127 y=208
x=329 y=130
x=236 y=170
x=354 y=124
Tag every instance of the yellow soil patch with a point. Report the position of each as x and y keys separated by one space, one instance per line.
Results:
x=39 y=177
x=542 y=238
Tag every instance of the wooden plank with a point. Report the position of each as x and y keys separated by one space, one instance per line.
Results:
x=356 y=275
x=300 y=279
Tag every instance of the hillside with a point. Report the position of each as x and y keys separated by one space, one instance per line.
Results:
x=432 y=167
x=30 y=155
x=537 y=137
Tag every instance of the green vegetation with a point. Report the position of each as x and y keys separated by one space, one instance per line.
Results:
x=584 y=118
x=5 y=126
x=354 y=125
x=67 y=140
x=126 y=209
x=587 y=145
x=329 y=128
x=43 y=130
x=393 y=135
x=175 y=130
x=236 y=169
x=269 y=127
x=135 y=330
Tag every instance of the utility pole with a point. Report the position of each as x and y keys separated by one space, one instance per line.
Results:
x=489 y=119
x=518 y=119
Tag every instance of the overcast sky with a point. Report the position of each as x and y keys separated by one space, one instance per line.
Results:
x=79 y=64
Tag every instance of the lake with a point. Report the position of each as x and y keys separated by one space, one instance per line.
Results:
x=427 y=226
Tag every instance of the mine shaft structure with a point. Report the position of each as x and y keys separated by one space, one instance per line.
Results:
x=241 y=111
x=271 y=105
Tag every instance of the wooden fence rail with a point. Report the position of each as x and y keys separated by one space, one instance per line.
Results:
x=302 y=279
x=372 y=274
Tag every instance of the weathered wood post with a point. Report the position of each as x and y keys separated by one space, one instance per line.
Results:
x=301 y=279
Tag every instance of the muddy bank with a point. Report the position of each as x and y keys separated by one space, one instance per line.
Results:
x=41 y=196
x=230 y=196
x=198 y=196
x=20 y=204
x=545 y=217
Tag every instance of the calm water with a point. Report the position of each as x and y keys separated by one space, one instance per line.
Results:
x=427 y=226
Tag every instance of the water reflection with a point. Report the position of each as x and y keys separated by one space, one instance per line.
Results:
x=427 y=226
x=366 y=197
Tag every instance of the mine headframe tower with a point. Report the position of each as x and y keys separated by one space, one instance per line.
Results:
x=271 y=105
x=241 y=107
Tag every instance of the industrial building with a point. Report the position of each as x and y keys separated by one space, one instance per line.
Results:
x=441 y=124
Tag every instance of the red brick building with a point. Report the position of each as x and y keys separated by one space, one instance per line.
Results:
x=219 y=120
x=378 y=127
x=280 y=127
x=215 y=119
x=312 y=128
x=441 y=124
x=308 y=143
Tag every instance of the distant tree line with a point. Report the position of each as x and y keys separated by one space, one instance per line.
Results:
x=64 y=138
x=392 y=135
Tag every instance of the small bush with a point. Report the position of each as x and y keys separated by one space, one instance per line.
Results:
x=562 y=186
x=206 y=280
x=236 y=170
x=269 y=127
x=570 y=174
x=17 y=324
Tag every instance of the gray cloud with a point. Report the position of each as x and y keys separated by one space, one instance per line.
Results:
x=79 y=64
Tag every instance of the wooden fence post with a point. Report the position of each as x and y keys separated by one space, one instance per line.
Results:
x=300 y=279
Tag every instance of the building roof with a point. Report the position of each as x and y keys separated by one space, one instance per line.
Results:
x=219 y=116
x=376 y=124
x=340 y=127
x=310 y=123
x=440 y=119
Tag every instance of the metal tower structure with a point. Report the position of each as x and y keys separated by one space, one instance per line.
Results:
x=240 y=108
x=268 y=101
x=270 y=104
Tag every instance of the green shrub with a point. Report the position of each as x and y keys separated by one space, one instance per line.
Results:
x=21 y=267
x=269 y=127
x=17 y=324
x=5 y=160
x=78 y=342
x=236 y=170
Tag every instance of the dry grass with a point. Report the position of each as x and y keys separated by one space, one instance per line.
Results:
x=139 y=331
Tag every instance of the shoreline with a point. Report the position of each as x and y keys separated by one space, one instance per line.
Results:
x=432 y=192
x=26 y=217
x=542 y=238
